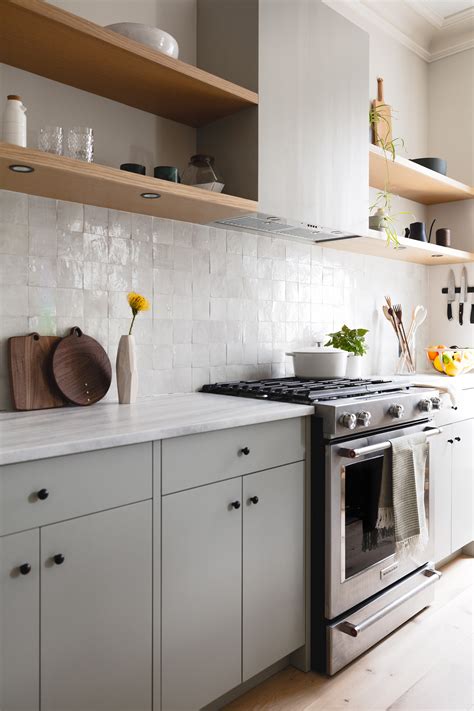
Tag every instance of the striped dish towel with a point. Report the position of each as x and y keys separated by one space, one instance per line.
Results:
x=402 y=494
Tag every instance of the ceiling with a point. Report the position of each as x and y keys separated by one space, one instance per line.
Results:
x=433 y=29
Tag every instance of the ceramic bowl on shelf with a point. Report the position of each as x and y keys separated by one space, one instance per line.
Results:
x=451 y=361
x=150 y=36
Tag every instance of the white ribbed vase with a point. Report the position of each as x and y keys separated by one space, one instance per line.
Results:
x=127 y=372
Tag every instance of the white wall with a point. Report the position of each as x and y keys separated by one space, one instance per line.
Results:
x=122 y=134
x=451 y=111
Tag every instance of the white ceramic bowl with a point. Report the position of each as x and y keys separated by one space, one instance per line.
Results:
x=319 y=363
x=150 y=36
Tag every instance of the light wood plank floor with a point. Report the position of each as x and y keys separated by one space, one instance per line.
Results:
x=426 y=665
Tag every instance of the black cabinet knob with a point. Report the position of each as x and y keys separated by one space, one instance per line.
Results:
x=451 y=441
x=245 y=450
x=42 y=494
x=235 y=504
x=58 y=558
x=457 y=439
x=253 y=499
x=24 y=568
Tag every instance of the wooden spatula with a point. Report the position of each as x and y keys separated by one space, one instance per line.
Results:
x=382 y=124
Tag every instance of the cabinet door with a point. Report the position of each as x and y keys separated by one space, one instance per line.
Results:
x=19 y=622
x=273 y=566
x=96 y=612
x=441 y=450
x=463 y=476
x=201 y=594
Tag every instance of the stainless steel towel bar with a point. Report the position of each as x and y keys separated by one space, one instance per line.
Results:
x=371 y=448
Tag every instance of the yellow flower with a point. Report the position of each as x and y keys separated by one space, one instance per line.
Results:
x=137 y=303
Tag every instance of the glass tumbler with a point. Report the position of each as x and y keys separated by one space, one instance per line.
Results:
x=50 y=139
x=80 y=143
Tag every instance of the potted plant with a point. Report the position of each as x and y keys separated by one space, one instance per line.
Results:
x=351 y=340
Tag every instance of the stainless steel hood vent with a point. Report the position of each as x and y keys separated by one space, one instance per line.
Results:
x=279 y=227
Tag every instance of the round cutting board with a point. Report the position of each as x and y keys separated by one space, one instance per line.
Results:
x=81 y=368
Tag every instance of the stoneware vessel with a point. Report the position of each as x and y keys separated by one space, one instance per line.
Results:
x=127 y=372
x=354 y=366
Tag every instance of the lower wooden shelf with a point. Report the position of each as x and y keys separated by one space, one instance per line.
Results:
x=375 y=245
x=76 y=181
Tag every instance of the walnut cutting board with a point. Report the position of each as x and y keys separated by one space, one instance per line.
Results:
x=81 y=368
x=29 y=363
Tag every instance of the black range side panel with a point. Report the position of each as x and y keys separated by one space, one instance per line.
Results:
x=318 y=547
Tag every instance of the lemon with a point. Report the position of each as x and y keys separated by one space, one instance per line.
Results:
x=438 y=365
x=451 y=369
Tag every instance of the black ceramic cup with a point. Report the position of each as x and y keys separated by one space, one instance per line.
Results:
x=417 y=231
x=443 y=237
x=134 y=168
x=167 y=172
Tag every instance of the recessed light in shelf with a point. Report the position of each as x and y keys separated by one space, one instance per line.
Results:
x=21 y=168
x=150 y=196
x=436 y=256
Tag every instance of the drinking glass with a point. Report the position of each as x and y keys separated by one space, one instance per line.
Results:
x=50 y=139
x=80 y=143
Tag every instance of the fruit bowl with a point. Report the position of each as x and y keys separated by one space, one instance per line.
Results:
x=451 y=361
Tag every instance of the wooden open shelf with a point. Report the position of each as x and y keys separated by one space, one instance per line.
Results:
x=412 y=181
x=56 y=44
x=68 y=179
x=375 y=245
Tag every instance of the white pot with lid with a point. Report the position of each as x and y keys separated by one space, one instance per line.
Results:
x=319 y=362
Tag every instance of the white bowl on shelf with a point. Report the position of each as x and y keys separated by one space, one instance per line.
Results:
x=150 y=36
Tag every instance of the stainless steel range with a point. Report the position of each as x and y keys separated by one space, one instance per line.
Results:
x=360 y=590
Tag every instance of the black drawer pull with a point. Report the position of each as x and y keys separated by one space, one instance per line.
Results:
x=457 y=439
x=42 y=494
x=235 y=504
x=24 y=568
x=245 y=450
x=58 y=558
x=253 y=500
x=451 y=441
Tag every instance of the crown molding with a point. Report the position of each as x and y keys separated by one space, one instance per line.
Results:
x=449 y=51
x=365 y=15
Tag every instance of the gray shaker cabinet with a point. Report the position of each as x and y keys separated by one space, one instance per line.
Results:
x=201 y=594
x=19 y=622
x=273 y=605
x=96 y=612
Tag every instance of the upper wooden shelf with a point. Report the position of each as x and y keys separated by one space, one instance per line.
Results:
x=410 y=250
x=56 y=44
x=73 y=180
x=412 y=181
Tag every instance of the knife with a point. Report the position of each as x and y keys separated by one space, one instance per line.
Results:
x=462 y=295
x=451 y=294
x=472 y=308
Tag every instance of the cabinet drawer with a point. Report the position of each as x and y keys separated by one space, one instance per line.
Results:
x=73 y=485
x=212 y=456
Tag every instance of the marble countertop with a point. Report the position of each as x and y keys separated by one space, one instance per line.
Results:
x=25 y=436
x=461 y=382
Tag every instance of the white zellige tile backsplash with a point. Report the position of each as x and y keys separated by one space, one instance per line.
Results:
x=225 y=305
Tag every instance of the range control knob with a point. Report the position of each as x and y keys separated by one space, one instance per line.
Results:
x=363 y=418
x=396 y=411
x=425 y=405
x=436 y=402
x=349 y=420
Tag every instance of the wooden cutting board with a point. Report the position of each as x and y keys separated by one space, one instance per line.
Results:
x=32 y=384
x=382 y=127
x=81 y=368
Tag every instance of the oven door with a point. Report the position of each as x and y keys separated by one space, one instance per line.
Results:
x=360 y=562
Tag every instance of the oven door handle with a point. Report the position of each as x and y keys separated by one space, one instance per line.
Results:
x=372 y=448
x=431 y=575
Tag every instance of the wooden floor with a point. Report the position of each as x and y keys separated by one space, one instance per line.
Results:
x=426 y=665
